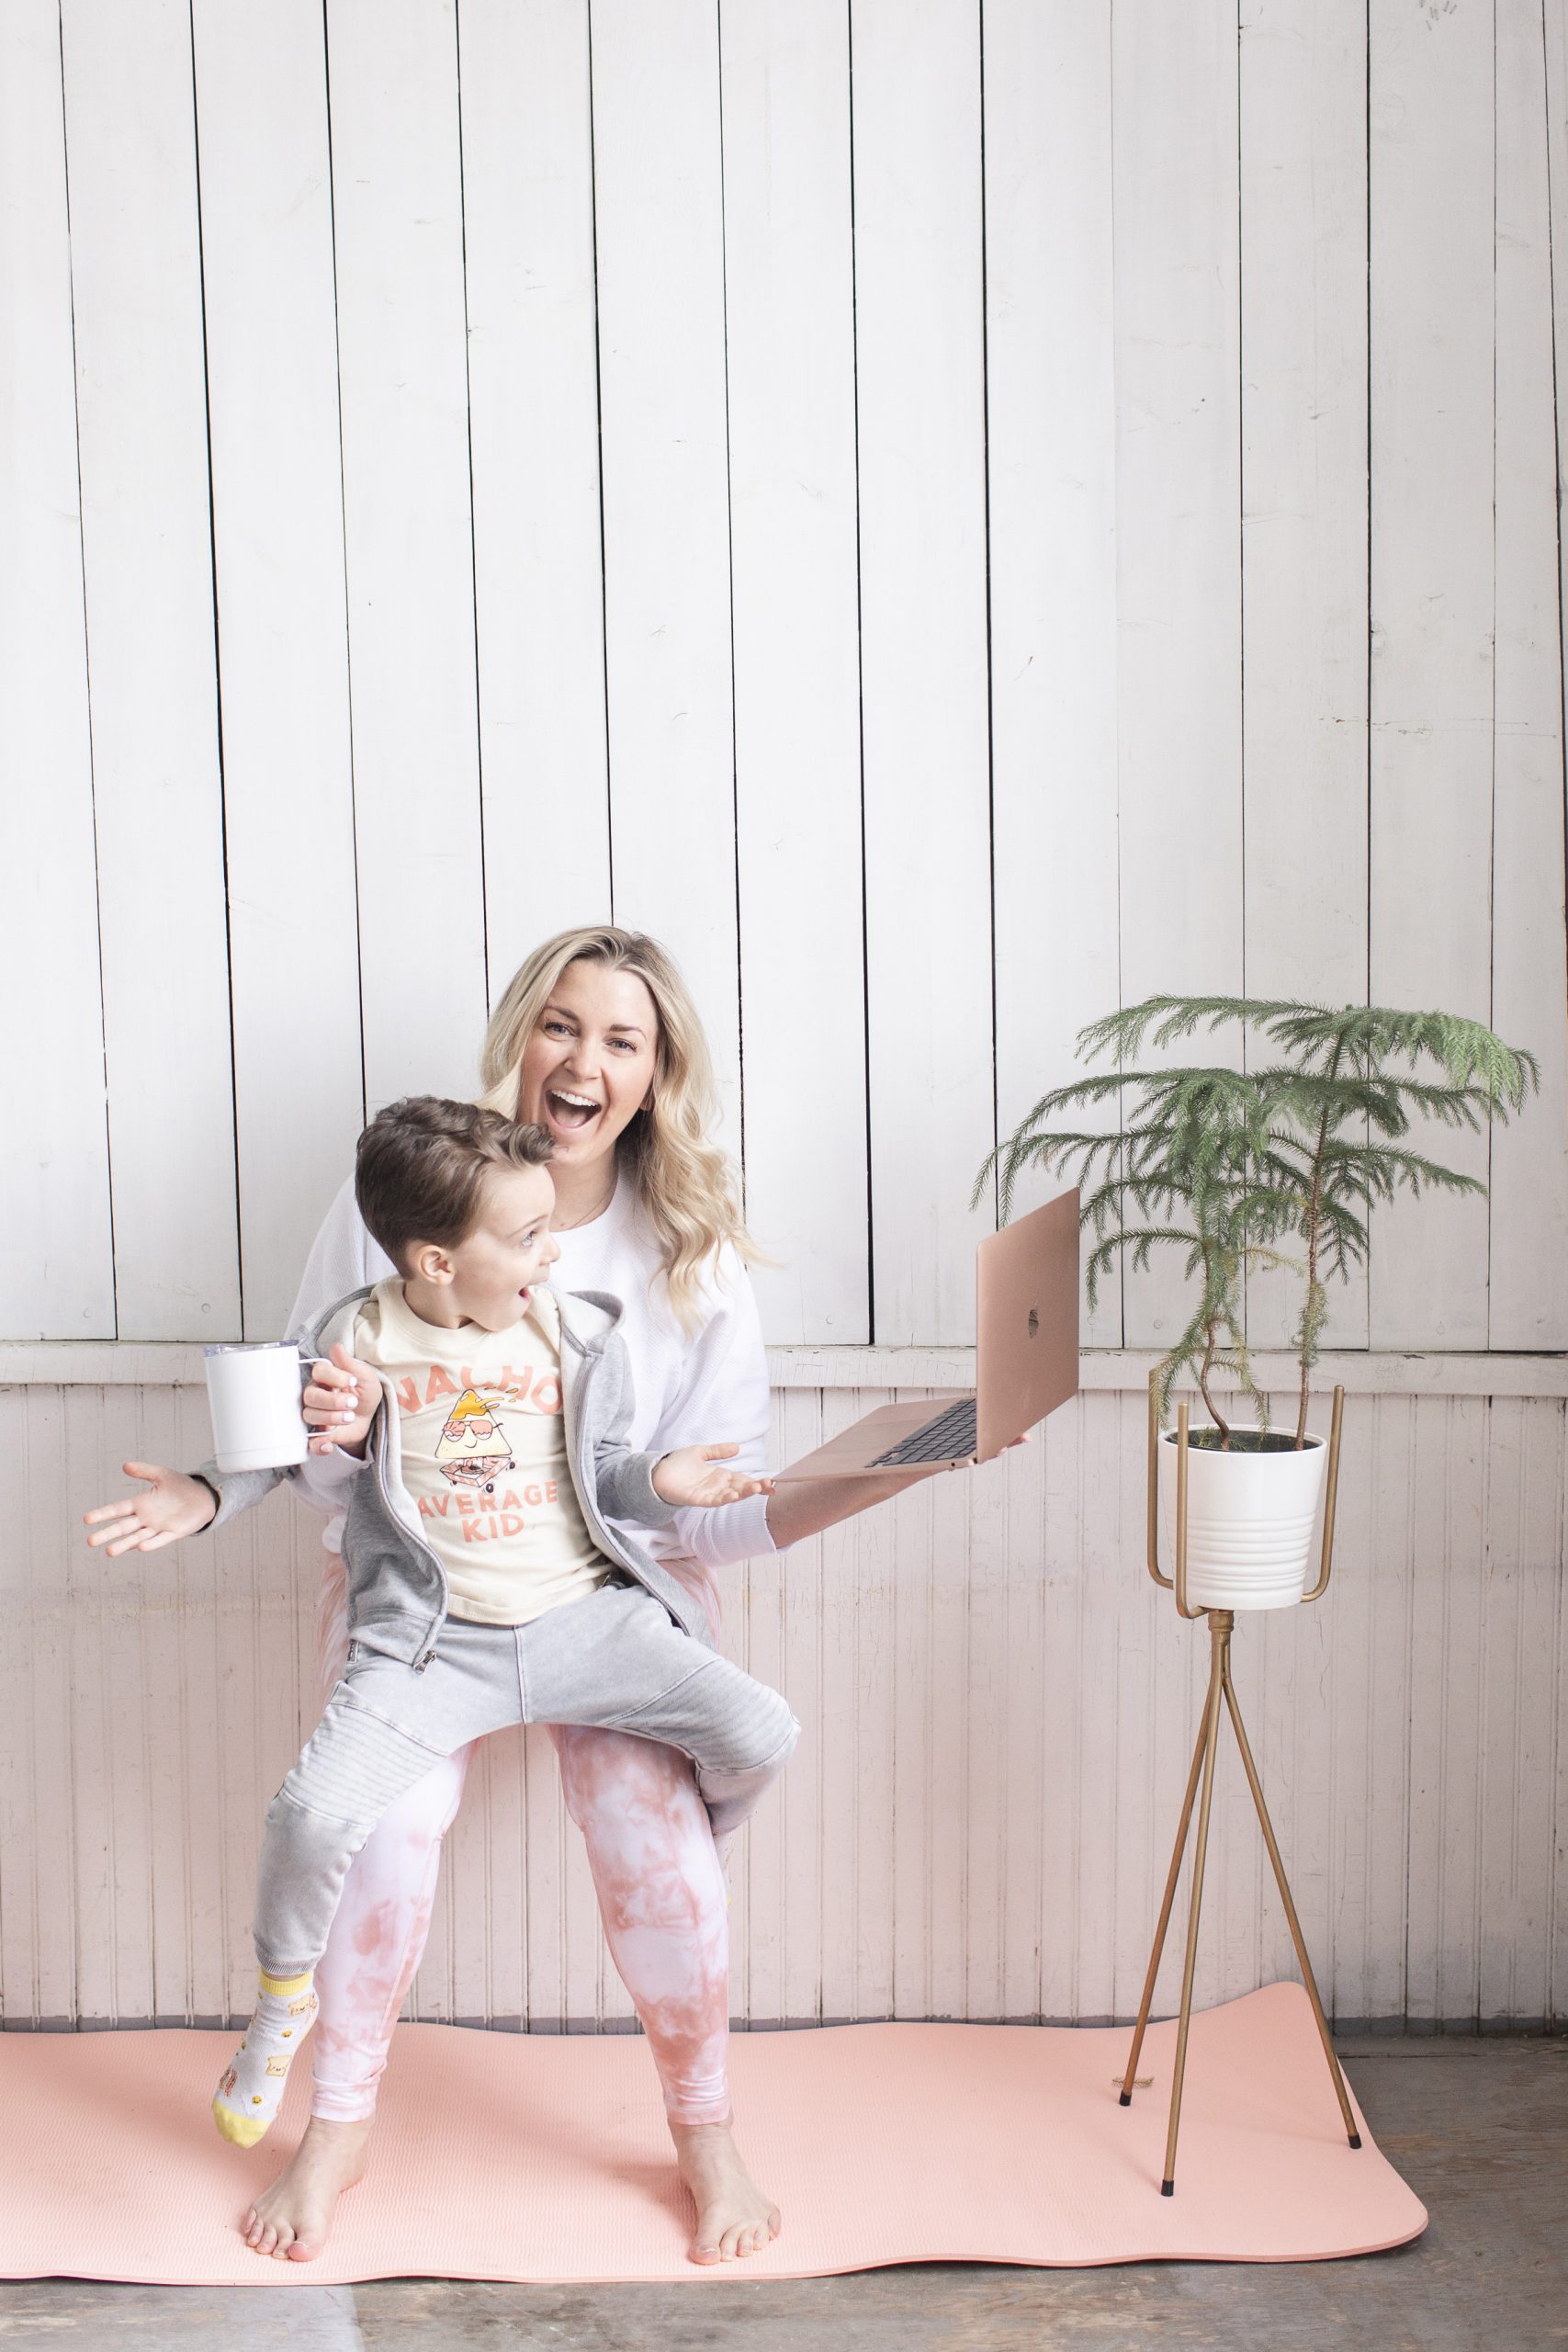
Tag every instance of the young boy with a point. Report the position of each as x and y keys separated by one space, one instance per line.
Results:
x=487 y=1583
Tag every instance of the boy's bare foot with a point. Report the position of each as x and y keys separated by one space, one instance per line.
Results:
x=292 y=2220
x=733 y=2216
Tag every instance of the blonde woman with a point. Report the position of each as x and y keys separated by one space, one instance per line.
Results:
x=597 y=1041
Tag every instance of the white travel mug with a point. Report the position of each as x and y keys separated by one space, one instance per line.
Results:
x=257 y=1422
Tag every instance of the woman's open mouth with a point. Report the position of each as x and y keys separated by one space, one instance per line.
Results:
x=569 y=1113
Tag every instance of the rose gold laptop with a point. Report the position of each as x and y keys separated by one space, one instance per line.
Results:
x=1026 y=1360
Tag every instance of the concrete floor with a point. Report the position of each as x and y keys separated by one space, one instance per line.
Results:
x=1478 y=2127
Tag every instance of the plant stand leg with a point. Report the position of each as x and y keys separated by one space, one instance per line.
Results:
x=1268 y=1838
x=1165 y=1908
x=1220 y=1624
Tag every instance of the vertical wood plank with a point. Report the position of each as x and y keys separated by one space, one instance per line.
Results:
x=1503 y=1730
x=154 y=1683
x=657 y=176
x=798 y=1804
x=1383 y=1433
x=142 y=418
x=1555 y=1677
x=1433 y=419
x=505 y=1914
x=952 y=1927
x=1064 y=1612
x=81 y=1593
x=880 y=1550
x=1446 y=1720
x=984 y=1597
x=1030 y=1813
x=20 y=1806
x=266 y=231
x=876 y=1567
x=546 y=1838
x=467 y=1980
x=398 y=207
x=56 y=1255
x=1528 y=1287
x=1178 y=522
x=789 y=278
x=840 y=1704
x=534 y=412
x=1099 y=1860
x=1429 y=1658
x=1288 y=1718
x=1147 y=1698
x=1051 y=442
x=911 y=1619
x=39 y=1931
x=919 y=341
x=1304 y=587
x=1522 y=1594
x=205 y=1735
x=1362 y=1824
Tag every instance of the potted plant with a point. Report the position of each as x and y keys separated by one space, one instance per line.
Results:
x=1278 y=1165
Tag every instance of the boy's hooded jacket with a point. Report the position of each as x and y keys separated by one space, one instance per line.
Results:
x=397 y=1587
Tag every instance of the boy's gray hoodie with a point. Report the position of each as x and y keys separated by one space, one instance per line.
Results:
x=397 y=1587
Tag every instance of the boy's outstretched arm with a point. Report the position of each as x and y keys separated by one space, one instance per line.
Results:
x=650 y=1489
x=176 y=1505
x=689 y=1479
x=339 y=1407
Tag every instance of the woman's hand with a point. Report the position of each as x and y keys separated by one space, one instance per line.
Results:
x=340 y=1402
x=176 y=1506
x=686 y=1477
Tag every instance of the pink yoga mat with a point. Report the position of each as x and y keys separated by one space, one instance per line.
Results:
x=546 y=2158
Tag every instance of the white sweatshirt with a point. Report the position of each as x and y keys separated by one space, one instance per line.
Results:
x=689 y=1391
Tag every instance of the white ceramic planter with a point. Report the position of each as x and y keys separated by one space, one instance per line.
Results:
x=1251 y=1522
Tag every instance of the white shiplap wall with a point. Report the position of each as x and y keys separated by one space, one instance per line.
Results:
x=953 y=514
x=812 y=482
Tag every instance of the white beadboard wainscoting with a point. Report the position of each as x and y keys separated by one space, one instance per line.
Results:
x=999 y=1712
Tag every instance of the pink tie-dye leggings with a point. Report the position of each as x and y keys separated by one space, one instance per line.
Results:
x=662 y=1896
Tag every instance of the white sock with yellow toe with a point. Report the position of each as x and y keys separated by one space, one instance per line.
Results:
x=250 y=2093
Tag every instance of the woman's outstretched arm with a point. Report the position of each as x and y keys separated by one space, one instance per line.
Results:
x=803 y=1506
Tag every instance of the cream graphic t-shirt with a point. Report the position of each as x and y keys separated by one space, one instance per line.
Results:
x=484 y=1454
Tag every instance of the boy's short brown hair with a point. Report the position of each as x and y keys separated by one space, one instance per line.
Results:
x=420 y=1168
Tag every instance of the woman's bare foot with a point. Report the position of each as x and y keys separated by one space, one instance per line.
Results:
x=292 y=2220
x=733 y=2216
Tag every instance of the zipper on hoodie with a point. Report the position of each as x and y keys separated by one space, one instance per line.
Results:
x=597 y=1524
x=407 y=1532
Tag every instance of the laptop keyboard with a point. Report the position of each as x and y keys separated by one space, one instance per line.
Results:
x=952 y=1432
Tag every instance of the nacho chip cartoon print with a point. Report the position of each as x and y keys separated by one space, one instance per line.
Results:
x=473 y=1448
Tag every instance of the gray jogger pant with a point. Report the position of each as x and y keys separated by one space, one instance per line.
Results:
x=616 y=1659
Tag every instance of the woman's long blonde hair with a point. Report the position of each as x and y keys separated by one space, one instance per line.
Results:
x=686 y=1184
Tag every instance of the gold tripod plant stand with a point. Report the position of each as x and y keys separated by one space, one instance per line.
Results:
x=1221 y=1623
